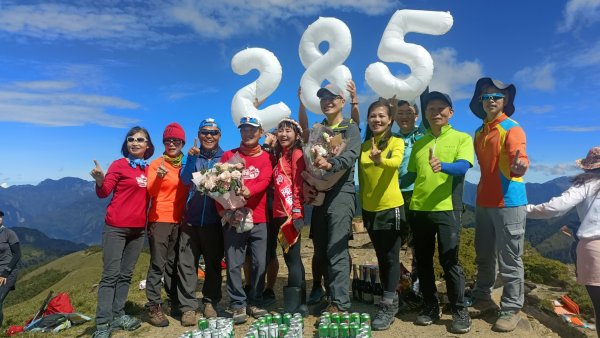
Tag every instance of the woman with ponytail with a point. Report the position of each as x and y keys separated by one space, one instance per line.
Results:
x=382 y=203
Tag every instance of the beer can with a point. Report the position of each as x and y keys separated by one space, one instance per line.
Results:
x=327 y=316
x=335 y=318
x=355 y=317
x=212 y=323
x=364 y=332
x=277 y=319
x=273 y=330
x=283 y=330
x=296 y=329
x=253 y=331
x=221 y=322
x=334 y=330
x=354 y=328
x=345 y=318
x=365 y=318
x=197 y=334
x=202 y=324
x=367 y=327
x=287 y=318
x=344 y=330
x=323 y=330
x=298 y=320
x=207 y=333
x=268 y=318
x=263 y=331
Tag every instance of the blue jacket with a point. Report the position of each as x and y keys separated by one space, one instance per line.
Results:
x=200 y=209
x=407 y=180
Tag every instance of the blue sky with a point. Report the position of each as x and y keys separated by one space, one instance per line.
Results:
x=75 y=75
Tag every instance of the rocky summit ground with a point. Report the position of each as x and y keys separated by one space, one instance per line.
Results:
x=534 y=322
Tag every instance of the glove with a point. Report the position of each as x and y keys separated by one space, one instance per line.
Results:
x=298 y=224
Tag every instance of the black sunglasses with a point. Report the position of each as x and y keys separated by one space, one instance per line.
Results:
x=177 y=142
x=210 y=132
x=131 y=139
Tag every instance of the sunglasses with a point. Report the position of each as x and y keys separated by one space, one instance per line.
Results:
x=131 y=139
x=209 y=132
x=493 y=96
x=249 y=120
x=176 y=142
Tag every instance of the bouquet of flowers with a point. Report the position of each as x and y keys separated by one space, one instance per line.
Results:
x=322 y=143
x=223 y=183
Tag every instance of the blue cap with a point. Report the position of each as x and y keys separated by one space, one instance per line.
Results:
x=251 y=121
x=209 y=122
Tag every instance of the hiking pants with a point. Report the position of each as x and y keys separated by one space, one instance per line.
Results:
x=499 y=237
x=206 y=240
x=235 y=252
x=121 y=248
x=331 y=228
x=11 y=279
x=292 y=258
x=446 y=225
x=162 y=238
x=387 y=245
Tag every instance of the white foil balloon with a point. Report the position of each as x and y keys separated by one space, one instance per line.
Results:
x=266 y=83
x=393 y=48
x=328 y=66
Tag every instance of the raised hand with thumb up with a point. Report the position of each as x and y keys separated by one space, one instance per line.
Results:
x=434 y=162
x=518 y=166
x=97 y=174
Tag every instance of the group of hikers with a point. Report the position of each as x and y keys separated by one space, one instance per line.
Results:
x=410 y=189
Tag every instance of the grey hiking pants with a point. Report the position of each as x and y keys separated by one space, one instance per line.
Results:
x=331 y=225
x=206 y=240
x=121 y=249
x=235 y=252
x=162 y=238
x=499 y=237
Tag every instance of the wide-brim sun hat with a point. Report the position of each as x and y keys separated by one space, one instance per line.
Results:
x=477 y=106
x=591 y=161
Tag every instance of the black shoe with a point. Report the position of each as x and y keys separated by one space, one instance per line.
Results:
x=268 y=297
x=292 y=301
x=461 y=321
x=385 y=316
x=316 y=295
x=429 y=315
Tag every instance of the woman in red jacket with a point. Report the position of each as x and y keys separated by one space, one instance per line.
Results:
x=288 y=211
x=123 y=234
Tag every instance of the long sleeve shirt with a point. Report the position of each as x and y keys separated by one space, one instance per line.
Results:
x=167 y=194
x=256 y=177
x=496 y=145
x=293 y=166
x=378 y=190
x=129 y=203
x=585 y=198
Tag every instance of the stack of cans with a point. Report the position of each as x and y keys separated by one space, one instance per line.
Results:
x=212 y=328
x=344 y=325
x=276 y=325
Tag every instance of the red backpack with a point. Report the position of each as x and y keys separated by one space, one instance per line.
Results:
x=59 y=304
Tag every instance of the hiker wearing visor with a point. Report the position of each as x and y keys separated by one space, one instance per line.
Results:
x=501 y=200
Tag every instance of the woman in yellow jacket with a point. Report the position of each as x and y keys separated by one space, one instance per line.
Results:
x=382 y=203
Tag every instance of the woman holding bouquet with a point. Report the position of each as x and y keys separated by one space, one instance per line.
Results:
x=382 y=203
x=123 y=234
x=288 y=210
x=256 y=178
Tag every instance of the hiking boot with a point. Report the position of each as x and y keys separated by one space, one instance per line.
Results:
x=126 y=323
x=385 y=316
x=482 y=307
x=430 y=314
x=410 y=301
x=102 y=331
x=239 y=315
x=268 y=297
x=188 y=318
x=156 y=316
x=255 y=311
x=209 y=311
x=332 y=308
x=507 y=321
x=293 y=300
x=316 y=295
x=461 y=321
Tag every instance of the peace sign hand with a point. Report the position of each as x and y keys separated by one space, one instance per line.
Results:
x=162 y=171
x=375 y=154
x=518 y=167
x=434 y=162
x=194 y=151
x=97 y=174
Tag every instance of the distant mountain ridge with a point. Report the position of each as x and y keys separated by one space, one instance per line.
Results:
x=69 y=209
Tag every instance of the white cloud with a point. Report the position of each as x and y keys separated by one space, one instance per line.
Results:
x=106 y=24
x=226 y=18
x=452 y=76
x=539 y=109
x=52 y=108
x=539 y=77
x=579 y=13
x=4 y=185
x=575 y=129
x=554 y=169
x=587 y=57
x=180 y=91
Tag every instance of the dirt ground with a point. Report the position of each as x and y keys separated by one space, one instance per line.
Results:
x=362 y=252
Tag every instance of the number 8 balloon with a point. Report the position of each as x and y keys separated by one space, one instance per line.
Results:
x=327 y=66
x=393 y=48
x=268 y=80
